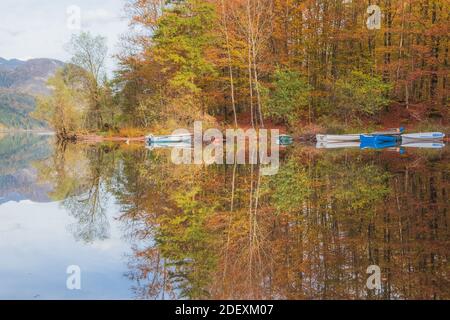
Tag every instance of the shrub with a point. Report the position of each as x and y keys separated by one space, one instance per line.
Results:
x=288 y=98
x=360 y=94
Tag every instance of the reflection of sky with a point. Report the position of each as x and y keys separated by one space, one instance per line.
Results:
x=36 y=249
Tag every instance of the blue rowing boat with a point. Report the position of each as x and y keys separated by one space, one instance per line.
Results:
x=366 y=138
x=378 y=141
x=356 y=137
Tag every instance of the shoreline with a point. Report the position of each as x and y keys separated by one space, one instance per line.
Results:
x=308 y=136
x=98 y=138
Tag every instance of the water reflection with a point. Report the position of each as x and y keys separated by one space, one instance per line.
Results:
x=81 y=176
x=17 y=175
x=226 y=231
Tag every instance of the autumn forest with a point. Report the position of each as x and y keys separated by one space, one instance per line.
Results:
x=304 y=65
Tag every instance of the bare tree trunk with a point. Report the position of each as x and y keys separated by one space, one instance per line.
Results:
x=250 y=78
x=230 y=69
x=258 y=94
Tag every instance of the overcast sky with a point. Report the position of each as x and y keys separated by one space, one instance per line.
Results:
x=40 y=28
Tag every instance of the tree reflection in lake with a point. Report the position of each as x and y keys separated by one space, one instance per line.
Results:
x=310 y=231
x=81 y=176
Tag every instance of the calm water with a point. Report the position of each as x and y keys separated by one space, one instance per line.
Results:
x=141 y=227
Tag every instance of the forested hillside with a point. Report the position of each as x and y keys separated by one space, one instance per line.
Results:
x=20 y=82
x=15 y=109
x=317 y=61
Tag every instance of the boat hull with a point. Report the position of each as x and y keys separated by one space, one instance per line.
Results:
x=356 y=137
x=284 y=140
x=424 y=145
x=378 y=142
x=169 y=139
x=337 y=137
x=378 y=145
x=337 y=145
x=421 y=136
x=377 y=139
x=169 y=145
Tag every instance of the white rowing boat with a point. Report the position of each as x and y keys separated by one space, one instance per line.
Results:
x=337 y=145
x=423 y=136
x=175 y=138
x=169 y=145
x=424 y=145
x=337 y=137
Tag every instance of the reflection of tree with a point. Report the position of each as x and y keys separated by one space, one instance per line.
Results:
x=138 y=187
x=89 y=208
x=80 y=176
x=149 y=270
x=309 y=232
x=159 y=205
x=227 y=232
x=89 y=212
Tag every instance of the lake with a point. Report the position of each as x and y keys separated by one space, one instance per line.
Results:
x=140 y=227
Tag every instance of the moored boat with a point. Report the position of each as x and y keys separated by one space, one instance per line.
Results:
x=423 y=136
x=337 y=145
x=375 y=142
x=337 y=137
x=284 y=140
x=367 y=138
x=424 y=145
x=357 y=136
x=169 y=145
x=175 y=138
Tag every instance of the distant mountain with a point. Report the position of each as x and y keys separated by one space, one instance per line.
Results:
x=10 y=64
x=28 y=76
x=20 y=82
